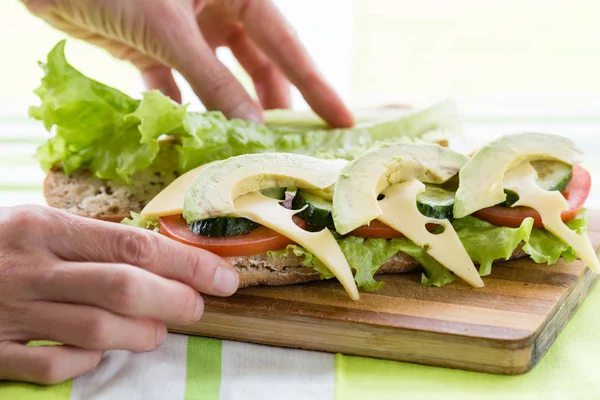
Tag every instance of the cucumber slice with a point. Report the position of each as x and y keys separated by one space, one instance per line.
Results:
x=436 y=202
x=274 y=193
x=552 y=175
x=231 y=226
x=223 y=226
x=317 y=210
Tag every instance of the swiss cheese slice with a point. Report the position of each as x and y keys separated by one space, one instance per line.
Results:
x=550 y=205
x=268 y=212
x=170 y=200
x=400 y=212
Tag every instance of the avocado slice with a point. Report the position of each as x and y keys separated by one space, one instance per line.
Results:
x=362 y=180
x=215 y=188
x=481 y=179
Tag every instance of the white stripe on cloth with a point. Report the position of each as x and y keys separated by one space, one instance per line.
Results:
x=159 y=374
x=251 y=371
x=9 y=199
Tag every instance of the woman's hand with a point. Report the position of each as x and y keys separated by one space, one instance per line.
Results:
x=93 y=286
x=160 y=35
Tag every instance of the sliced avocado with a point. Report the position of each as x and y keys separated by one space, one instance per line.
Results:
x=362 y=180
x=215 y=188
x=481 y=179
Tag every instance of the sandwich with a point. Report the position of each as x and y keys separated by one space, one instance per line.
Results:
x=109 y=154
x=294 y=201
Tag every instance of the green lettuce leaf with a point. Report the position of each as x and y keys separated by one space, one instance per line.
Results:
x=365 y=256
x=435 y=274
x=210 y=137
x=102 y=129
x=138 y=221
x=483 y=241
x=97 y=126
x=309 y=260
x=156 y=115
x=544 y=247
x=486 y=243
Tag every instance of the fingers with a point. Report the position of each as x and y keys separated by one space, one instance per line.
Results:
x=212 y=82
x=81 y=239
x=46 y=365
x=121 y=289
x=161 y=78
x=272 y=87
x=267 y=27
x=91 y=328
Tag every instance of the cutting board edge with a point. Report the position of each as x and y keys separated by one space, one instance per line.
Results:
x=563 y=313
x=519 y=360
x=508 y=342
x=523 y=354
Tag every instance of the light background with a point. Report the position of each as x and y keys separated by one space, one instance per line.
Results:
x=511 y=65
x=515 y=56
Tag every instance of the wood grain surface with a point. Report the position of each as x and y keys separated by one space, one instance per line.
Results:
x=505 y=327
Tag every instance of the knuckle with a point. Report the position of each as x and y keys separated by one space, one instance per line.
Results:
x=123 y=290
x=138 y=248
x=47 y=370
x=96 y=330
x=15 y=219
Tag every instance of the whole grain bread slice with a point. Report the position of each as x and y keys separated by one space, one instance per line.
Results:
x=83 y=194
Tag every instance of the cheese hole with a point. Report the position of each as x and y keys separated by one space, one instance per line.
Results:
x=438 y=230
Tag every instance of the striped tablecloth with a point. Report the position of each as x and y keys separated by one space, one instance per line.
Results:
x=203 y=368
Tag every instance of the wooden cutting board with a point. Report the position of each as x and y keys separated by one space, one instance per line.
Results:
x=505 y=327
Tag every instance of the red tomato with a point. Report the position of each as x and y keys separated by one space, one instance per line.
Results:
x=376 y=230
x=576 y=193
x=379 y=230
x=257 y=241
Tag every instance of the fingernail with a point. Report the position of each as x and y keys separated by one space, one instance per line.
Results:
x=199 y=309
x=247 y=112
x=161 y=336
x=225 y=281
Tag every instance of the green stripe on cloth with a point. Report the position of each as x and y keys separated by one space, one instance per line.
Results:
x=203 y=377
x=28 y=391
x=568 y=371
x=21 y=160
x=16 y=187
x=19 y=140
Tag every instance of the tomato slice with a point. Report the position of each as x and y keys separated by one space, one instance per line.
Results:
x=376 y=230
x=257 y=241
x=576 y=193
